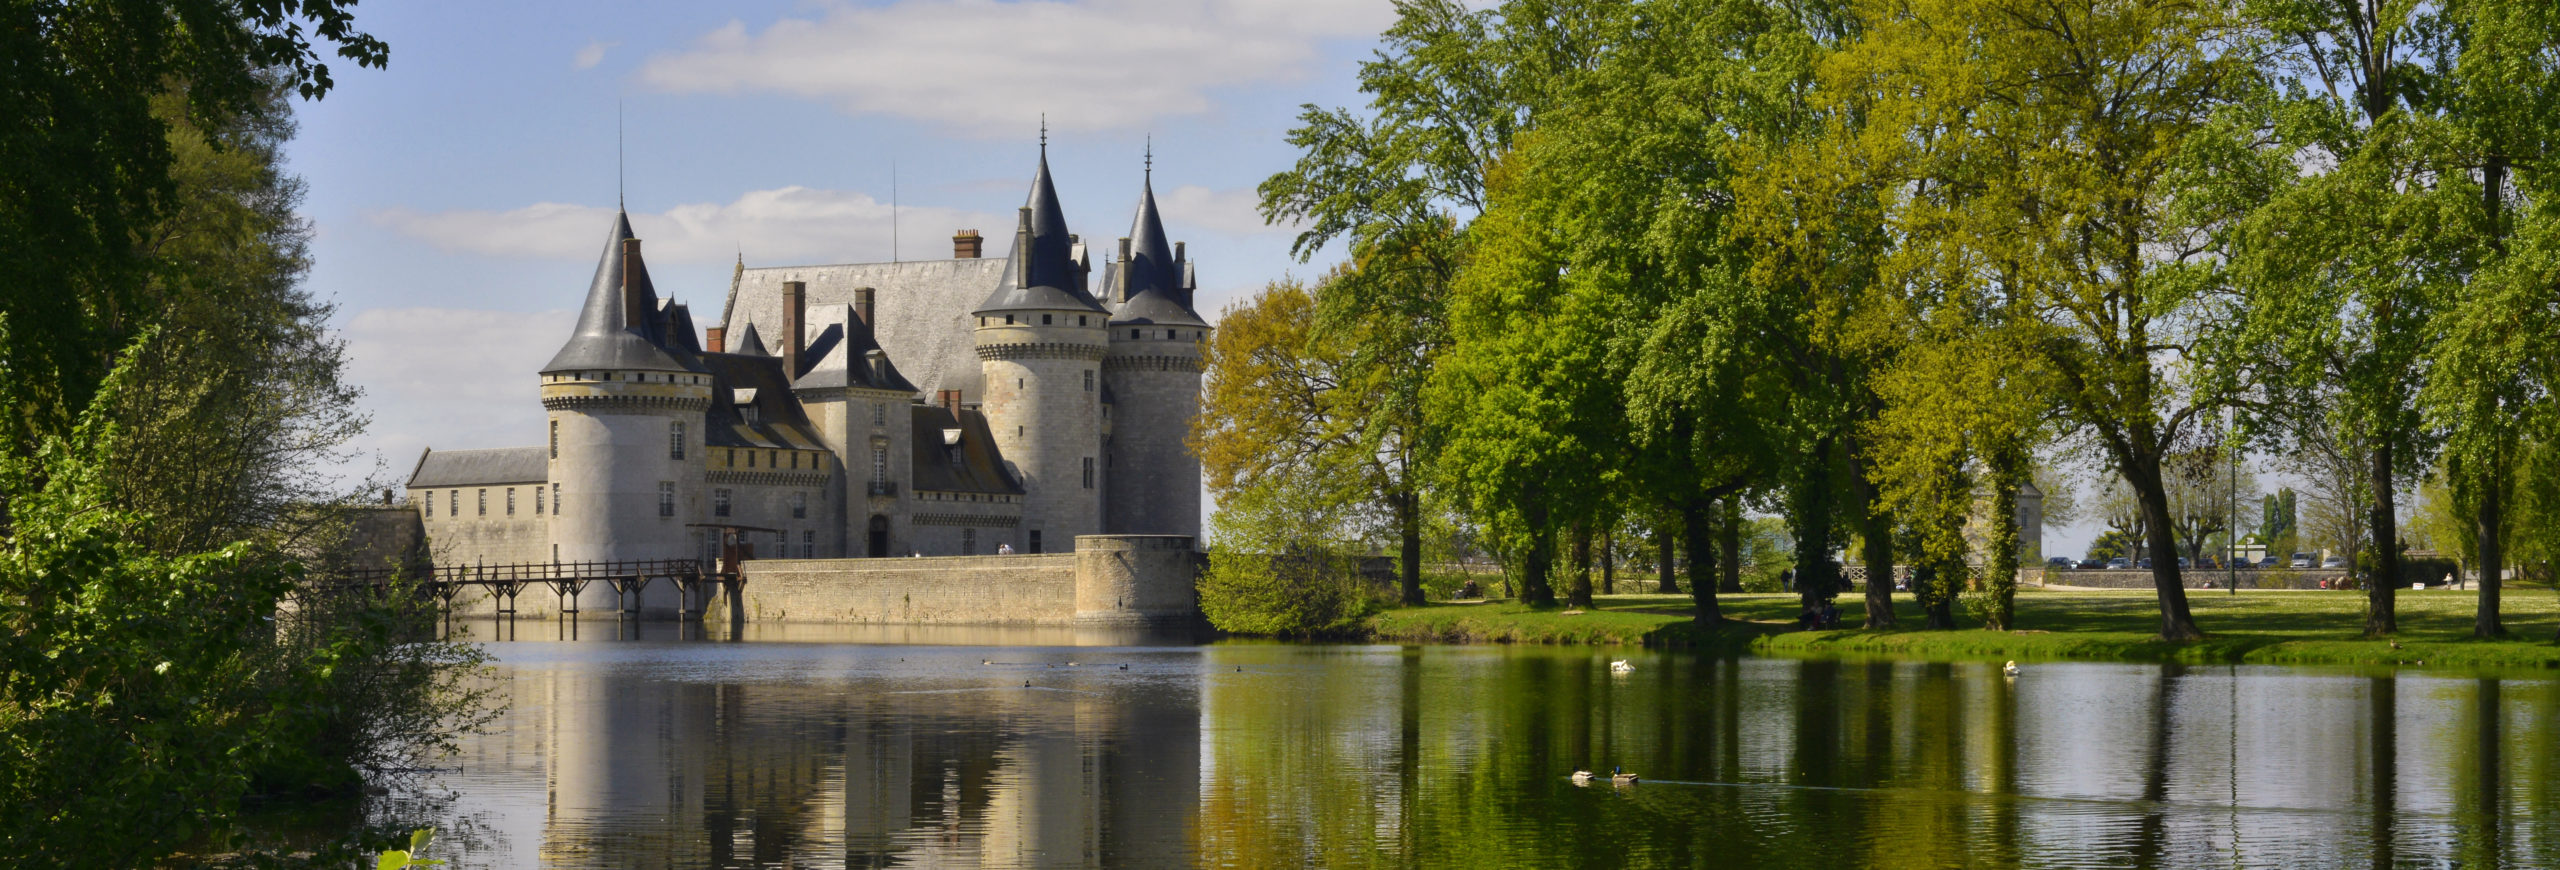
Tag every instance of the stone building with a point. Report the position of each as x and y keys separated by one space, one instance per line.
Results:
x=937 y=407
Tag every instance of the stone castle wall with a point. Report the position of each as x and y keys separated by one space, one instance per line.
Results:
x=1109 y=581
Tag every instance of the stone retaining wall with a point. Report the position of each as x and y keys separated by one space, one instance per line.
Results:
x=1031 y=589
x=2110 y=578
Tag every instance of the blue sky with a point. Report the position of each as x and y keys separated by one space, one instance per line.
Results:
x=460 y=194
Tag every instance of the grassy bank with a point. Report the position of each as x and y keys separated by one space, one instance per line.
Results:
x=2301 y=627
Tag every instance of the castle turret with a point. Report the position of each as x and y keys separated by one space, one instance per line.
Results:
x=1152 y=371
x=1040 y=340
x=624 y=401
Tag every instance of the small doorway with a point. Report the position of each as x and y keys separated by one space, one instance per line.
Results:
x=879 y=536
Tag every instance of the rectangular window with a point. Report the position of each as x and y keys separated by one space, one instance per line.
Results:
x=555 y=439
x=481 y=505
x=795 y=461
x=1044 y=319
x=879 y=464
x=730 y=457
x=808 y=543
x=675 y=439
x=772 y=459
x=666 y=498
x=452 y=503
x=555 y=499
x=879 y=413
x=799 y=505
x=511 y=501
x=537 y=499
x=431 y=505
x=1088 y=472
x=1088 y=380
x=719 y=502
x=968 y=542
x=751 y=459
x=1035 y=540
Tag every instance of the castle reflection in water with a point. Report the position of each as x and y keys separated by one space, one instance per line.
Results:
x=922 y=747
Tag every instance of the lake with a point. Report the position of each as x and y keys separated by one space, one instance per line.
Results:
x=952 y=747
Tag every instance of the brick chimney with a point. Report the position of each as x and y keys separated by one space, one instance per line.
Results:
x=862 y=301
x=714 y=339
x=795 y=311
x=966 y=244
x=951 y=402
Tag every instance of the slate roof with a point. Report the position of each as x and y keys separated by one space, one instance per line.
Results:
x=920 y=312
x=1047 y=268
x=442 y=468
x=618 y=327
x=749 y=344
x=755 y=381
x=978 y=469
x=838 y=351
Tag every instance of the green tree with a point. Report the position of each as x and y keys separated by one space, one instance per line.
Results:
x=2086 y=127
x=85 y=167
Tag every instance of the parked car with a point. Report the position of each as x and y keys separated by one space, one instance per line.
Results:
x=2119 y=563
x=2144 y=564
x=2244 y=564
x=2059 y=562
x=2091 y=564
x=2334 y=562
x=2269 y=563
x=2302 y=560
x=2182 y=563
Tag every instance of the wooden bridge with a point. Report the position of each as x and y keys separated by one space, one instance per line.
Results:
x=565 y=579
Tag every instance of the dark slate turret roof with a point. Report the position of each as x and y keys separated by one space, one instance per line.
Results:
x=1151 y=280
x=749 y=344
x=841 y=352
x=1043 y=251
x=617 y=328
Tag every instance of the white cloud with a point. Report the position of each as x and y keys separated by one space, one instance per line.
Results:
x=785 y=224
x=988 y=67
x=450 y=378
x=593 y=54
x=1236 y=212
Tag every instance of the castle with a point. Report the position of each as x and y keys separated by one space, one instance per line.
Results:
x=800 y=422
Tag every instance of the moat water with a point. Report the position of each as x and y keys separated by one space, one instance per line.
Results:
x=818 y=747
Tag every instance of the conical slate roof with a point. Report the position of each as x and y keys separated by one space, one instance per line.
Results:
x=1042 y=273
x=750 y=344
x=615 y=328
x=1150 y=280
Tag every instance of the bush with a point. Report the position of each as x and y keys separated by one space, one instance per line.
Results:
x=1301 y=594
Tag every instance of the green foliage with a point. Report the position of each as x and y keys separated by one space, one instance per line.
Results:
x=414 y=856
x=1277 y=567
x=2113 y=544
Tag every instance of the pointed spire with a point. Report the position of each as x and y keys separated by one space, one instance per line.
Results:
x=1150 y=278
x=1042 y=272
x=615 y=329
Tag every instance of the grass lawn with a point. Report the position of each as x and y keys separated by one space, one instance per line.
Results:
x=2272 y=626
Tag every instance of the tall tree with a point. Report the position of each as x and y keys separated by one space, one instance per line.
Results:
x=85 y=167
x=2084 y=124
x=1401 y=182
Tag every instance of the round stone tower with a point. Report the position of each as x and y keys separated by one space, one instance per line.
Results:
x=626 y=407
x=1040 y=340
x=1153 y=375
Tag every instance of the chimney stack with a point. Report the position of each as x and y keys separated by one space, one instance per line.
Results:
x=951 y=402
x=795 y=311
x=1022 y=249
x=862 y=300
x=965 y=245
x=715 y=339
x=635 y=313
x=1177 y=252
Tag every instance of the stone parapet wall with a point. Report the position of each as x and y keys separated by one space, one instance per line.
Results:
x=2138 y=578
x=972 y=590
x=1132 y=581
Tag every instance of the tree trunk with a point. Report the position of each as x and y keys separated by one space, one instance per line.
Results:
x=2381 y=614
x=2489 y=521
x=1729 y=536
x=1609 y=561
x=2001 y=564
x=1662 y=538
x=1875 y=547
x=1537 y=589
x=1409 y=531
x=1578 y=591
x=1695 y=526
x=2177 y=622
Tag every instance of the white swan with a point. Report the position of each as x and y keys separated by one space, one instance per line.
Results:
x=1621 y=667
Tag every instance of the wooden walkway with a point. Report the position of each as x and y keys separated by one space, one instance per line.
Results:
x=565 y=579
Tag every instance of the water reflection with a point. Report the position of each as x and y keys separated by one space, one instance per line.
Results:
x=873 y=754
